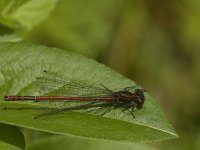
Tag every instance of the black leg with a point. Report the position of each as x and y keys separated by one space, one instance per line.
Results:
x=112 y=107
x=127 y=107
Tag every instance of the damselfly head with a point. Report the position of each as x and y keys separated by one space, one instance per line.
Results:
x=139 y=97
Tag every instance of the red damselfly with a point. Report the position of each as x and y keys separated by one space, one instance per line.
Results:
x=63 y=88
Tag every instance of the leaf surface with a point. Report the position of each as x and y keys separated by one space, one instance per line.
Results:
x=21 y=63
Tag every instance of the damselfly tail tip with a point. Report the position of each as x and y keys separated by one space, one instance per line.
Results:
x=5 y=98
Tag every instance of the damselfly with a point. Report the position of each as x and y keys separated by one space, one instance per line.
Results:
x=67 y=89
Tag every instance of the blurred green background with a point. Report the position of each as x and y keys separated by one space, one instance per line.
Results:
x=153 y=42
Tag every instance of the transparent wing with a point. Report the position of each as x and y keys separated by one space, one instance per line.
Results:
x=52 y=83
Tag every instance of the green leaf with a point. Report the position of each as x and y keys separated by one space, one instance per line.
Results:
x=6 y=146
x=25 y=13
x=61 y=142
x=21 y=63
x=10 y=137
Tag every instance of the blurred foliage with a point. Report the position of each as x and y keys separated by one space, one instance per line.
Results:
x=86 y=27
x=153 y=42
x=24 y=14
